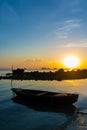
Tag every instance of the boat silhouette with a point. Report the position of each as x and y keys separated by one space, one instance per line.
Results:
x=46 y=96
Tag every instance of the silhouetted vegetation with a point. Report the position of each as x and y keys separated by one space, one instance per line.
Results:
x=36 y=75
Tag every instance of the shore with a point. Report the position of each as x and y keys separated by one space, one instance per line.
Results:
x=59 y=75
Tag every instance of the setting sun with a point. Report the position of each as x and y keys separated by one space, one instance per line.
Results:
x=71 y=61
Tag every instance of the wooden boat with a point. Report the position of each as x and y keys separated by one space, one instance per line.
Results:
x=45 y=96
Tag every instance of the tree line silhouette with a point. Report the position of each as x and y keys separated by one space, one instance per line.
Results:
x=60 y=74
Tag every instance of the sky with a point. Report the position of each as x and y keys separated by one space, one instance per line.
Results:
x=40 y=33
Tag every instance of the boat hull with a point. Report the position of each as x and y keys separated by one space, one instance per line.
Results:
x=47 y=97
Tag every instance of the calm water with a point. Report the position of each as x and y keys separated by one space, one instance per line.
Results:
x=17 y=116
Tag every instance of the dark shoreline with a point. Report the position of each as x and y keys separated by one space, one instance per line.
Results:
x=59 y=75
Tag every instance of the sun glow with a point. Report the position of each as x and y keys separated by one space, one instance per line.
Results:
x=71 y=61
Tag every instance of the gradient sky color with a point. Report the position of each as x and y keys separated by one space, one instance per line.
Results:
x=40 y=33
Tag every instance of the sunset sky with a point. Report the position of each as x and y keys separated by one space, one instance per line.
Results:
x=41 y=33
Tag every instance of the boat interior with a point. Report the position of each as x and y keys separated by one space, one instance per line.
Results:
x=39 y=93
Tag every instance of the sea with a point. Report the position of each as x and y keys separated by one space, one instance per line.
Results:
x=15 y=115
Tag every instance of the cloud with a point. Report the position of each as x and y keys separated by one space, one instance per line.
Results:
x=71 y=6
x=77 y=44
x=77 y=10
x=75 y=2
x=8 y=13
x=37 y=63
x=11 y=10
x=67 y=28
x=76 y=6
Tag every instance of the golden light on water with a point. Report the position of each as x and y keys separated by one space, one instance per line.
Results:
x=71 y=61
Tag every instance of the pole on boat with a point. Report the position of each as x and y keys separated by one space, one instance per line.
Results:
x=11 y=84
x=11 y=78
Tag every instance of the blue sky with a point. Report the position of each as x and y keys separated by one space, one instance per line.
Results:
x=32 y=29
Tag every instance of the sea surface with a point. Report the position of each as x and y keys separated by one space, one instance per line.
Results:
x=15 y=115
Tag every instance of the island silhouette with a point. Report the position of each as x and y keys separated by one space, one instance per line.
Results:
x=61 y=74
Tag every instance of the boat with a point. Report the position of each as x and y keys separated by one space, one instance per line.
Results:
x=46 y=96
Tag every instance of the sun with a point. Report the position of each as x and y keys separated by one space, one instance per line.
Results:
x=71 y=61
